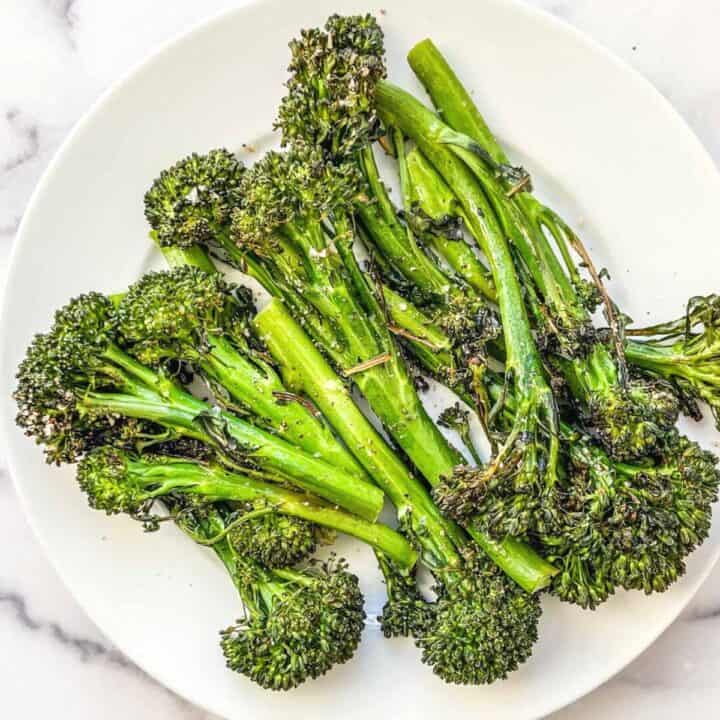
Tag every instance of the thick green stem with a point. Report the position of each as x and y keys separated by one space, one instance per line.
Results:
x=458 y=110
x=305 y=370
x=402 y=110
x=361 y=339
x=217 y=484
x=393 y=398
x=409 y=317
x=195 y=256
x=454 y=104
x=168 y=404
x=304 y=470
x=296 y=353
x=434 y=198
x=260 y=390
x=517 y=559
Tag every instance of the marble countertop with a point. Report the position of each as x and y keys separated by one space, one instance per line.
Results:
x=56 y=57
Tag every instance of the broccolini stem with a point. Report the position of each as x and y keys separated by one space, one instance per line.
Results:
x=455 y=106
x=165 y=402
x=306 y=471
x=337 y=295
x=429 y=192
x=195 y=256
x=430 y=345
x=411 y=319
x=256 y=388
x=396 y=243
x=217 y=484
x=458 y=110
x=305 y=368
x=517 y=560
x=407 y=421
x=401 y=110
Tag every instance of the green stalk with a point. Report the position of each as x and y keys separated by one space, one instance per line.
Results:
x=165 y=402
x=429 y=192
x=222 y=249
x=403 y=111
x=260 y=389
x=194 y=256
x=563 y=295
x=696 y=371
x=307 y=371
x=455 y=106
x=596 y=373
x=305 y=368
x=217 y=484
x=458 y=110
x=304 y=470
x=429 y=344
x=333 y=291
x=409 y=317
x=665 y=361
x=395 y=242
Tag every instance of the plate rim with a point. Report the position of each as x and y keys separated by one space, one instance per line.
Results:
x=7 y=427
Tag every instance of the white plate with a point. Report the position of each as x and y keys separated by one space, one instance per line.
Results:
x=604 y=146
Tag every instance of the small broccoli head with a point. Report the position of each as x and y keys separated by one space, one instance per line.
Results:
x=299 y=187
x=192 y=200
x=171 y=314
x=630 y=416
x=405 y=613
x=303 y=624
x=266 y=204
x=588 y=294
x=665 y=512
x=484 y=626
x=333 y=74
x=468 y=320
x=105 y=476
x=59 y=366
x=502 y=499
x=629 y=526
x=631 y=422
x=83 y=330
x=510 y=495
x=272 y=539
x=46 y=401
x=576 y=542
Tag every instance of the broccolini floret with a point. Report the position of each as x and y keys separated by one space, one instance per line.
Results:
x=296 y=625
x=77 y=381
x=188 y=315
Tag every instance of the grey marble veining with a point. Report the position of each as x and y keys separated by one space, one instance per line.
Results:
x=56 y=57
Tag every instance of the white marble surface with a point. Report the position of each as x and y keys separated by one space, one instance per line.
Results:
x=56 y=57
